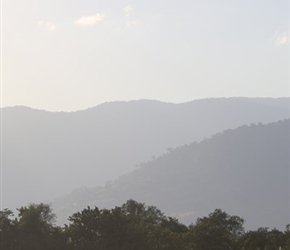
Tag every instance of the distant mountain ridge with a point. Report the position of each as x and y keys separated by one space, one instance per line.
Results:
x=46 y=154
x=245 y=171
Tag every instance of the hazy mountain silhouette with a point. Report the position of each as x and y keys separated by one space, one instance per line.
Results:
x=244 y=171
x=46 y=154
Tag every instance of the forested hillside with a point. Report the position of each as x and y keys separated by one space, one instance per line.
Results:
x=244 y=171
x=46 y=154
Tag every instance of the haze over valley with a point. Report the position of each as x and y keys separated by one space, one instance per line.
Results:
x=112 y=110
x=53 y=153
x=244 y=171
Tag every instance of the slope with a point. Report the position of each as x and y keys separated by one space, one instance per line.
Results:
x=46 y=154
x=245 y=171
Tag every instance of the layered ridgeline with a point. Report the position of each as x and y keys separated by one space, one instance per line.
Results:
x=245 y=171
x=46 y=154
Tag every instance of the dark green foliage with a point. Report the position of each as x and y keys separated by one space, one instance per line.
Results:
x=32 y=230
x=217 y=231
x=132 y=226
x=263 y=239
x=7 y=232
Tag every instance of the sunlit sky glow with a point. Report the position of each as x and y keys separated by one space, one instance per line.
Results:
x=74 y=54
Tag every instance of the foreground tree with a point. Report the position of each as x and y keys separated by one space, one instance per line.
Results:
x=35 y=228
x=262 y=238
x=7 y=230
x=253 y=240
x=287 y=238
x=132 y=226
x=218 y=231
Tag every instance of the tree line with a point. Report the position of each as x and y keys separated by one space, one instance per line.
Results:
x=132 y=226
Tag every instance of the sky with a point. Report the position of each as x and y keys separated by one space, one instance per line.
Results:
x=67 y=55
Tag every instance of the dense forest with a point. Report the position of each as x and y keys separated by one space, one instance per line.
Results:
x=132 y=226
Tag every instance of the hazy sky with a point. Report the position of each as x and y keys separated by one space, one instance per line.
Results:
x=74 y=54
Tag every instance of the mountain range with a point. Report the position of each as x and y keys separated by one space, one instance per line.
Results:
x=244 y=171
x=47 y=154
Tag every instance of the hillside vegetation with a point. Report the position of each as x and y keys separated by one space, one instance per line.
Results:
x=244 y=171
x=46 y=154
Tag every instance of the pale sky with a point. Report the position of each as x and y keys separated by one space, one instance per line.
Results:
x=74 y=54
